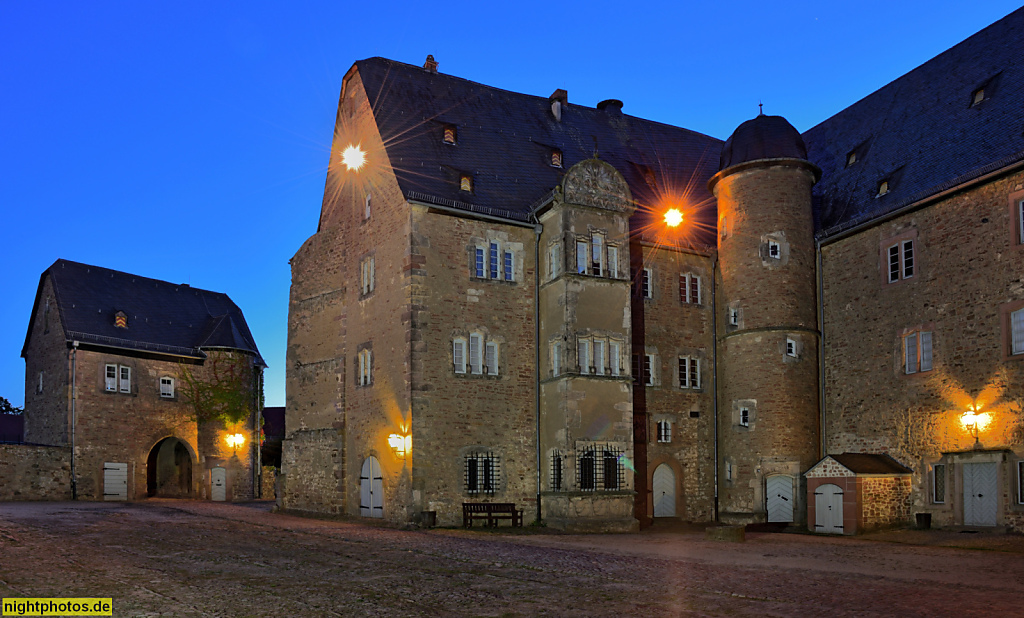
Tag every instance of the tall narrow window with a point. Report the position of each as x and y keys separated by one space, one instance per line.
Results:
x=926 y=351
x=694 y=372
x=167 y=387
x=614 y=357
x=509 y=265
x=939 y=483
x=493 y=263
x=745 y=417
x=125 y=385
x=689 y=288
x=734 y=316
x=917 y=347
x=645 y=283
x=908 y=259
x=366 y=206
x=597 y=255
x=557 y=473
x=110 y=379
x=664 y=431
x=367 y=275
x=649 y=369
x=689 y=372
x=583 y=355
x=611 y=470
x=613 y=261
x=587 y=472
x=39 y=385
x=1020 y=482
x=491 y=358
x=910 y=349
x=475 y=360
x=599 y=364
x=790 y=347
x=556 y=358
x=1017 y=332
x=482 y=473
x=894 y=263
x=459 y=355
x=728 y=470
x=901 y=261
x=478 y=262
x=555 y=260
x=581 y=257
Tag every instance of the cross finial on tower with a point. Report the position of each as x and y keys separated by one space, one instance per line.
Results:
x=760 y=108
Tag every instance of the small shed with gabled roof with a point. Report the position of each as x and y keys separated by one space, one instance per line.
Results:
x=848 y=493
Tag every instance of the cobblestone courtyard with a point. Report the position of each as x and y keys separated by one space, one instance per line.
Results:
x=178 y=558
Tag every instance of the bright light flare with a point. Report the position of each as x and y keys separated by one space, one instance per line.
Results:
x=673 y=217
x=975 y=421
x=234 y=440
x=401 y=444
x=353 y=158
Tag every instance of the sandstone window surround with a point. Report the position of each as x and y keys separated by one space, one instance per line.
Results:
x=117 y=378
x=482 y=473
x=689 y=288
x=364 y=362
x=938 y=478
x=917 y=352
x=596 y=257
x=664 y=431
x=599 y=468
x=367 y=275
x=792 y=348
x=167 y=387
x=689 y=372
x=493 y=261
x=598 y=355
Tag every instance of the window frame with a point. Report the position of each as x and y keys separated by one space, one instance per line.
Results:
x=615 y=358
x=648 y=368
x=1020 y=481
x=491 y=352
x=508 y=265
x=475 y=479
x=599 y=359
x=459 y=349
x=593 y=464
x=663 y=431
x=110 y=382
x=646 y=279
x=164 y=395
x=690 y=288
x=1016 y=343
x=914 y=340
x=791 y=348
x=476 y=367
x=364 y=363
x=583 y=356
x=556 y=478
x=582 y=257
x=366 y=206
x=774 y=245
x=556 y=359
x=936 y=475
x=124 y=380
x=613 y=261
x=744 y=416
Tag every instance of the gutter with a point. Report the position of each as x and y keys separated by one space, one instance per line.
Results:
x=74 y=418
x=821 y=351
x=714 y=370
x=538 y=229
x=470 y=214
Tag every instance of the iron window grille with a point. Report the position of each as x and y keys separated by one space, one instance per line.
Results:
x=557 y=471
x=482 y=473
x=600 y=468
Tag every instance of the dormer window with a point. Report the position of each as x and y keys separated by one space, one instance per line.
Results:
x=450 y=134
x=977 y=96
x=851 y=158
x=466 y=183
x=883 y=188
x=556 y=158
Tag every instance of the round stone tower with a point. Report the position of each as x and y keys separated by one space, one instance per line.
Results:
x=768 y=422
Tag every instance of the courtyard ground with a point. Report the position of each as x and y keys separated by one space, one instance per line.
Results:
x=180 y=558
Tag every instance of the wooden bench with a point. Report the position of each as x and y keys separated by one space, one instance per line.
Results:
x=492 y=512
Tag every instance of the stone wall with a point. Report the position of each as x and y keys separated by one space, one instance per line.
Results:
x=47 y=417
x=35 y=472
x=311 y=477
x=884 y=501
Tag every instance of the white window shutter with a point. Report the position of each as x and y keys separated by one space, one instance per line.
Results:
x=1017 y=331
x=926 y=351
x=910 y=344
x=614 y=358
x=583 y=355
x=373 y=274
x=459 y=355
x=475 y=364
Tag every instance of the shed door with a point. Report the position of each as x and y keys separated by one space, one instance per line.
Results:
x=218 y=484
x=115 y=481
x=664 y=491
x=780 y=498
x=979 y=494
x=371 y=489
x=828 y=509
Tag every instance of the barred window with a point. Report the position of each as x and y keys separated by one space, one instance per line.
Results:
x=939 y=483
x=482 y=473
x=599 y=468
x=557 y=471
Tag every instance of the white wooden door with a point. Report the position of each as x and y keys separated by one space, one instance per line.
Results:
x=828 y=509
x=371 y=489
x=979 y=494
x=115 y=481
x=664 y=491
x=218 y=484
x=780 y=498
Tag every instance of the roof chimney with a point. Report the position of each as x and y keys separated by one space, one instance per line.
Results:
x=611 y=105
x=558 y=99
x=431 y=64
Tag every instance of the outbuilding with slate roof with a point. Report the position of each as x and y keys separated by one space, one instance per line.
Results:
x=115 y=366
x=849 y=493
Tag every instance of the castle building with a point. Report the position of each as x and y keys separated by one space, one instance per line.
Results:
x=500 y=304
x=115 y=364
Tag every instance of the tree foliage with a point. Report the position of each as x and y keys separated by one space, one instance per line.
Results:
x=219 y=390
x=6 y=407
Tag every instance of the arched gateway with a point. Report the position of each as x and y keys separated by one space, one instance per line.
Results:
x=169 y=470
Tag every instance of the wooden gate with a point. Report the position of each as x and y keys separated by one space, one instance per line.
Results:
x=218 y=484
x=664 y=488
x=115 y=481
x=980 y=494
x=780 y=498
x=828 y=509
x=371 y=489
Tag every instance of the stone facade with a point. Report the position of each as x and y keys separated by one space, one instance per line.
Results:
x=35 y=472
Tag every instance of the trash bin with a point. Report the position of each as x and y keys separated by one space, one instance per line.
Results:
x=924 y=521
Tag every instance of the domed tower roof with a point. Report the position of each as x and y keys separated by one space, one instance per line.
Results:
x=763 y=137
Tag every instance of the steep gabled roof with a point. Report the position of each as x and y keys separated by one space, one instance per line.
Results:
x=922 y=133
x=162 y=317
x=504 y=140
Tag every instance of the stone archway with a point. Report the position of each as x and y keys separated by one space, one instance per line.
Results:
x=169 y=470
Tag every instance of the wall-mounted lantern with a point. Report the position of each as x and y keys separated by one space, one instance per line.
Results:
x=401 y=444
x=973 y=421
x=234 y=440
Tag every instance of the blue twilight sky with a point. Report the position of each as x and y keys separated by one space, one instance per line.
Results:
x=188 y=141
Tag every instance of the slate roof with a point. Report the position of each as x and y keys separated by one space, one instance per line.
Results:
x=504 y=139
x=921 y=133
x=163 y=318
x=868 y=463
x=762 y=137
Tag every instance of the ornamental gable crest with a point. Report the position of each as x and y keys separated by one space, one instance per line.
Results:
x=597 y=184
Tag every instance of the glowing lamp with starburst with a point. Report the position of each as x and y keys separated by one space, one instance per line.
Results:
x=353 y=158
x=673 y=217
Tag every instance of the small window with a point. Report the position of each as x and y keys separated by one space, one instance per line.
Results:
x=366 y=207
x=478 y=262
x=125 y=382
x=110 y=380
x=556 y=358
x=556 y=158
x=581 y=257
x=365 y=375
x=939 y=483
x=39 y=386
x=557 y=471
x=649 y=369
x=883 y=188
x=689 y=288
x=367 y=275
x=509 y=264
x=901 y=261
x=475 y=354
x=774 y=251
x=167 y=387
x=664 y=431
x=450 y=133
x=645 y=283
x=459 y=355
x=554 y=260
x=466 y=183
x=728 y=470
x=583 y=355
x=851 y=158
x=614 y=351
x=613 y=261
x=745 y=417
x=917 y=348
x=491 y=358
x=493 y=262
x=1017 y=332
x=689 y=372
x=977 y=97
x=790 y=347
x=482 y=473
x=734 y=316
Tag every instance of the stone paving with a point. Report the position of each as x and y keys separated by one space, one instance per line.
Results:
x=179 y=558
